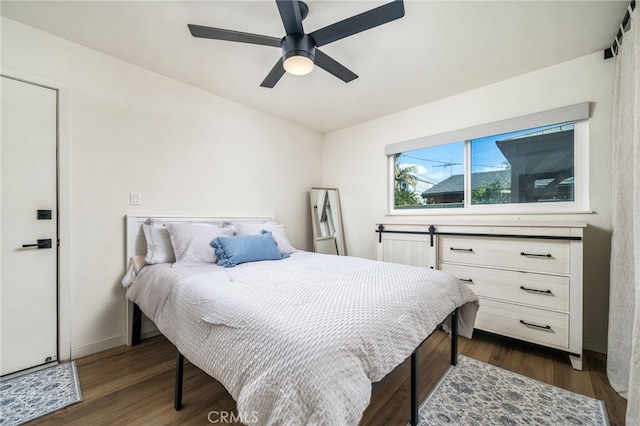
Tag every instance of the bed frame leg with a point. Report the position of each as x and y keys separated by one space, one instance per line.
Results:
x=179 y=376
x=415 y=407
x=136 y=326
x=414 y=388
x=454 y=337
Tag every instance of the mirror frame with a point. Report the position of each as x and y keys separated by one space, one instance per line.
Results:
x=337 y=213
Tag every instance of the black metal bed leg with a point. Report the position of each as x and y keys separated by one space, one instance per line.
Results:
x=179 y=376
x=414 y=388
x=415 y=407
x=136 y=326
x=454 y=337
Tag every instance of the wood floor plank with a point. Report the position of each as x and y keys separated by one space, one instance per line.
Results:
x=616 y=405
x=134 y=385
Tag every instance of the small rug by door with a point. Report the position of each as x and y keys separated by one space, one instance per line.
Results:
x=33 y=395
x=476 y=393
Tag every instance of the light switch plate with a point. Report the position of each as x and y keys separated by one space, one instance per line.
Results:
x=134 y=198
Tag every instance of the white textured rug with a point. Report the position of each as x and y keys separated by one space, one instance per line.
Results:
x=476 y=393
x=33 y=395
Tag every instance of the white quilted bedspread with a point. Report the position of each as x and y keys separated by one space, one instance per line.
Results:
x=300 y=340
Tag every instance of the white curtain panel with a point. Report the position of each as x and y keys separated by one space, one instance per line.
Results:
x=623 y=360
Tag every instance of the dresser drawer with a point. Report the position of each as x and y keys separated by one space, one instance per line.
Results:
x=539 y=290
x=523 y=254
x=521 y=322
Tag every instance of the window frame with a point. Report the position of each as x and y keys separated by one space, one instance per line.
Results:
x=578 y=114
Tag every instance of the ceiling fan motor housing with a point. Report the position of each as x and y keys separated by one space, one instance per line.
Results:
x=298 y=45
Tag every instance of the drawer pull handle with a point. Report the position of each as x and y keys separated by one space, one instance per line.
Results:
x=461 y=249
x=533 y=290
x=528 y=324
x=466 y=280
x=535 y=255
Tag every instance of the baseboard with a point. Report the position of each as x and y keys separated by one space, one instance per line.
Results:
x=594 y=345
x=92 y=348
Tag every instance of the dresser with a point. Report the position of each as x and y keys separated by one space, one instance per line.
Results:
x=528 y=276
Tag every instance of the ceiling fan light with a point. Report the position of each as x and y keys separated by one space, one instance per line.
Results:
x=298 y=65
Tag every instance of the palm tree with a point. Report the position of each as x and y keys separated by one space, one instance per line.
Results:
x=404 y=177
x=405 y=182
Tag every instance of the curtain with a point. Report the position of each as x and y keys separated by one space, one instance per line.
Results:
x=623 y=359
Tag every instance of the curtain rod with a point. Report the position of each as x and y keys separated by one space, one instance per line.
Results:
x=612 y=51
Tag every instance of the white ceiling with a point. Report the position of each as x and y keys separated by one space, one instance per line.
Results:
x=438 y=49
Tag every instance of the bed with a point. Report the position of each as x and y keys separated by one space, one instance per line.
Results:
x=298 y=339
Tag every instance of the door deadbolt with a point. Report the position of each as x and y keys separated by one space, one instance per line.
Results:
x=41 y=244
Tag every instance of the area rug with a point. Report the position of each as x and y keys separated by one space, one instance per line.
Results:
x=35 y=394
x=476 y=393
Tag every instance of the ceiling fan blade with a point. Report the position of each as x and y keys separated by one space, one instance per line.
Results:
x=358 y=23
x=274 y=75
x=332 y=66
x=291 y=16
x=229 y=35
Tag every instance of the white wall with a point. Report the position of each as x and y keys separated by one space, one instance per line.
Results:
x=186 y=151
x=354 y=161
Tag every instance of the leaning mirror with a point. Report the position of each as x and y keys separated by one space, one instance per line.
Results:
x=328 y=237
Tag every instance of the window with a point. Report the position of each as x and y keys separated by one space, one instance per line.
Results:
x=430 y=177
x=522 y=170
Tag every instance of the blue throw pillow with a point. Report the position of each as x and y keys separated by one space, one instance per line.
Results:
x=232 y=251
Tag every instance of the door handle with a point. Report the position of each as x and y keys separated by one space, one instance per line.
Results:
x=41 y=244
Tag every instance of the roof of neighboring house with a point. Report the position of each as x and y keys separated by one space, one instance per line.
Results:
x=455 y=183
x=552 y=146
x=561 y=128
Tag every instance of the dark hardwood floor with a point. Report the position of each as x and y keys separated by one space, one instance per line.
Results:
x=134 y=385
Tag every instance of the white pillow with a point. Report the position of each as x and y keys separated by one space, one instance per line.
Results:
x=278 y=231
x=191 y=242
x=159 y=248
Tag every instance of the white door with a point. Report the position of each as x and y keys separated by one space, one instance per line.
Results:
x=28 y=224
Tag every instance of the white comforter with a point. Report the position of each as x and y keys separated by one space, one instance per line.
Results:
x=300 y=340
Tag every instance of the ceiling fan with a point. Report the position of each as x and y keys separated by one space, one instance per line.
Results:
x=299 y=49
